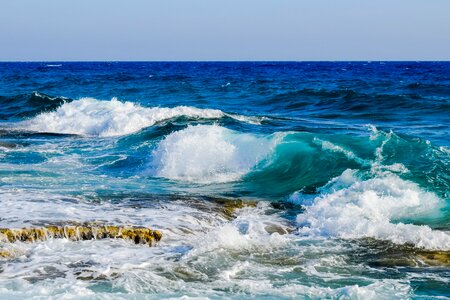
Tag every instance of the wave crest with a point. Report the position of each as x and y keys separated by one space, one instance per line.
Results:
x=208 y=153
x=28 y=105
x=92 y=117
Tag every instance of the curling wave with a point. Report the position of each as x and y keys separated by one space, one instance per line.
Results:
x=209 y=153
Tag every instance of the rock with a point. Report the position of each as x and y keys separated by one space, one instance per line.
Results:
x=138 y=235
x=8 y=145
x=386 y=254
x=229 y=206
x=434 y=258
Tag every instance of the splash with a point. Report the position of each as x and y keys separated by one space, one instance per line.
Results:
x=352 y=208
x=209 y=153
x=92 y=117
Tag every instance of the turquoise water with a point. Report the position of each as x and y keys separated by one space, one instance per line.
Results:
x=348 y=163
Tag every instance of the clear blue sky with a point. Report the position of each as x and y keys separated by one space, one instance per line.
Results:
x=224 y=30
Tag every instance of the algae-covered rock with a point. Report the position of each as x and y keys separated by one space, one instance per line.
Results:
x=434 y=258
x=415 y=258
x=229 y=206
x=6 y=253
x=138 y=235
x=10 y=251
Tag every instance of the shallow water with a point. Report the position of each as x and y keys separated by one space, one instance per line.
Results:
x=347 y=162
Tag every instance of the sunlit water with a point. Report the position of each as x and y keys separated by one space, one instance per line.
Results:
x=347 y=163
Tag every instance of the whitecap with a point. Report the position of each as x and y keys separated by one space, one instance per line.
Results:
x=209 y=153
x=92 y=117
x=349 y=208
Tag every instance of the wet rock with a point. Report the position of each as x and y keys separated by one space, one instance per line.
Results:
x=278 y=228
x=434 y=258
x=138 y=235
x=8 y=145
x=229 y=206
x=386 y=254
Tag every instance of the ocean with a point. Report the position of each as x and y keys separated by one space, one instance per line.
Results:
x=268 y=180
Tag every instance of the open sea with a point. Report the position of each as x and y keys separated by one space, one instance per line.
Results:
x=267 y=180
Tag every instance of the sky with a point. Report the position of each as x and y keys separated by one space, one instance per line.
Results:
x=141 y=30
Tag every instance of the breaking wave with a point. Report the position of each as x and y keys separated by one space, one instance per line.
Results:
x=209 y=153
x=384 y=207
x=92 y=117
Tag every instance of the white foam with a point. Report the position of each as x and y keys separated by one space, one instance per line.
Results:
x=91 y=117
x=40 y=206
x=255 y=120
x=208 y=153
x=352 y=208
x=249 y=231
x=201 y=255
x=326 y=145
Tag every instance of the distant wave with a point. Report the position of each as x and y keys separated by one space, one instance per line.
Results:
x=354 y=101
x=92 y=117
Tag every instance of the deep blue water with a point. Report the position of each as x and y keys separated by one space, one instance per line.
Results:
x=411 y=97
x=350 y=160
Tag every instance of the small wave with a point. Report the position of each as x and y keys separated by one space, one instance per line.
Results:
x=92 y=117
x=208 y=153
x=54 y=65
x=27 y=105
x=255 y=120
x=347 y=100
x=351 y=208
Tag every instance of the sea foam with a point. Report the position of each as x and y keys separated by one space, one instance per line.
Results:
x=209 y=153
x=92 y=117
x=352 y=208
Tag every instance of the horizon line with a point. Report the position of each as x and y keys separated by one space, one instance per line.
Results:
x=213 y=61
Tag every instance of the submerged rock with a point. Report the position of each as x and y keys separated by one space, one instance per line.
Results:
x=138 y=235
x=229 y=206
x=8 y=145
x=386 y=254
x=434 y=258
x=10 y=253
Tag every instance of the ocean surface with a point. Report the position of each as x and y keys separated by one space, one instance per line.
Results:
x=343 y=170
